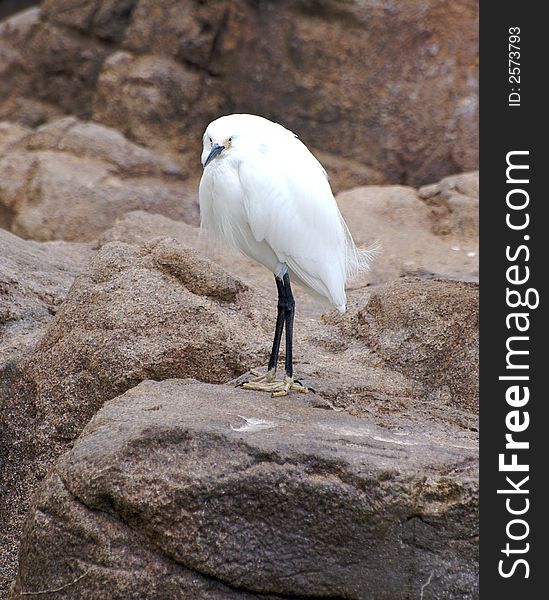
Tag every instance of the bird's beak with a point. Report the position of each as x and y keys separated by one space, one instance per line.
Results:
x=216 y=150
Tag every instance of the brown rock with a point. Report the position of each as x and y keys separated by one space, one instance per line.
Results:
x=34 y=281
x=159 y=311
x=237 y=494
x=311 y=57
x=392 y=86
x=29 y=112
x=15 y=33
x=402 y=224
x=10 y=133
x=91 y=140
x=70 y=180
x=64 y=66
x=18 y=99
x=138 y=227
x=131 y=569
x=148 y=97
x=345 y=173
x=106 y=19
x=188 y=29
x=427 y=330
x=454 y=205
x=466 y=184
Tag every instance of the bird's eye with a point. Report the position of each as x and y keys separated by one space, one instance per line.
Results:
x=210 y=140
x=230 y=139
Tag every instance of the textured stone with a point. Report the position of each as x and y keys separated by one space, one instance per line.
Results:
x=158 y=310
x=106 y=19
x=405 y=228
x=454 y=205
x=34 y=280
x=250 y=495
x=393 y=86
x=70 y=180
x=426 y=329
x=148 y=98
x=138 y=312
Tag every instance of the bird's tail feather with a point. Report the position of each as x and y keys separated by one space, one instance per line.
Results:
x=358 y=260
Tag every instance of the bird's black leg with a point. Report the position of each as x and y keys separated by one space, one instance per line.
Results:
x=289 y=314
x=285 y=317
x=280 y=318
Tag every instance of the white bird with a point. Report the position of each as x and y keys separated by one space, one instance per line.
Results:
x=263 y=193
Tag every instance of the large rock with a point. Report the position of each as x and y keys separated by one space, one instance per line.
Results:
x=138 y=312
x=158 y=310
x=405 y=227
x=426 y=329
x=153 y=308
x=70 y=180
x=34 y=281
x=149 y=97
x=231 y=494
x=454 y=204
x=161 y=69
x=369 y=109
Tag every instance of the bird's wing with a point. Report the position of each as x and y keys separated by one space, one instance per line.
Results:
x=290 y=206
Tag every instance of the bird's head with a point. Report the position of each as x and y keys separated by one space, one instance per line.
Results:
x=218 y=139
x=238 y=134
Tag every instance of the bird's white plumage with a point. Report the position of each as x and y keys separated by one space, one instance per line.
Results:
x=268 y=196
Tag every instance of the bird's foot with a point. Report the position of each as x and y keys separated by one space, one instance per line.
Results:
x=268 y=383
x=267 y=377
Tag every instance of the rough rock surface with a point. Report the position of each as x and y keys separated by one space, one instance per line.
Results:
x=151 y=94
x=34 y=281
x=139 y=226
x=454 y=204
x=113 y=332
x=138 y=312
x=345 y=173
x=161 y=69
x=426 y=329
x=157 y=311
x=234 y=494
x=131 y=315
x=70 y=180
x=10 y=133
x=405 y=227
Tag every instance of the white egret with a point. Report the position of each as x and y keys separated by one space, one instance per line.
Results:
x=263 y=193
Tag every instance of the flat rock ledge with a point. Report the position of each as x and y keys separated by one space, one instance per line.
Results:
x=180 y=489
